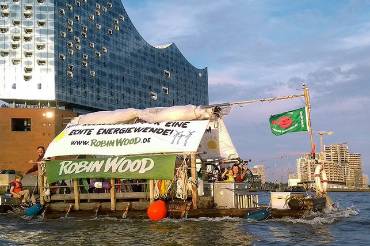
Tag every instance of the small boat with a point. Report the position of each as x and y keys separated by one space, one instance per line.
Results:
x=258 y=215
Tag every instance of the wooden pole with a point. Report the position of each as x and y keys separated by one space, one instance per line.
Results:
x=76 y=194
x=194 y=178
x=306 y=93
x=151 y=190
x=112 y=195
x=40 y=181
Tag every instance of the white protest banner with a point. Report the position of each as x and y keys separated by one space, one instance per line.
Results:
x=128 y=139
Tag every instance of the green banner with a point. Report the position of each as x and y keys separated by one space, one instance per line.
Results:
x=127 y=167
x=292 y=121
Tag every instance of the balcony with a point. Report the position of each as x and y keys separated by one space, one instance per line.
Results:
x=16 y=22
x=27 y=14
x=4 y=53
x=5 y=13
x=27 y=69
x=27 y=38
x=40 y=46
x=15 y=46
x=16 y=61
x=41 y=62
x=28 y=54
x=16 y=38
x=27 y=77
x=28 y=30
x=4 y=29
x=41 y=23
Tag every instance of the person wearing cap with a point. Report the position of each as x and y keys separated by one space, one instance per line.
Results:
x=17 y=190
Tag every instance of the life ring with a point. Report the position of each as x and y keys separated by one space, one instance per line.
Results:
x=321 y=180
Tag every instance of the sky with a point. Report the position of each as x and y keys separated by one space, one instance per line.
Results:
x=257 y=49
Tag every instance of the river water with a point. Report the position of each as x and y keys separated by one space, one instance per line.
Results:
x=348 y=225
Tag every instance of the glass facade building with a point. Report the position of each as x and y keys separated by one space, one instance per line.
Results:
x=87 y=55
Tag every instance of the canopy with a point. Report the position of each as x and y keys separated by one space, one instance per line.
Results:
x=128 y=150
x=216 y=142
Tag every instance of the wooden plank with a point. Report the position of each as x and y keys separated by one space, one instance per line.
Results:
x=104 y=206
x=76 y=194
x=151 y=190
x=112 y=195
x=40 y=181
x=100 y=196
x=194 y=178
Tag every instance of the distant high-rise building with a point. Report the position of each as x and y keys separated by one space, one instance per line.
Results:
x=337 y=153
x=354 y=175
x=259 y=170
x=341 y=166
x=87 y=55
x=365 y=181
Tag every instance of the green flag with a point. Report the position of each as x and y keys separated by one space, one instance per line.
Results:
x=291 y=121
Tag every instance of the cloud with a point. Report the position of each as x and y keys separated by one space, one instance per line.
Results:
x=259 y=49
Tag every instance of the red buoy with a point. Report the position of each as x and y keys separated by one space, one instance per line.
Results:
x=157 y=210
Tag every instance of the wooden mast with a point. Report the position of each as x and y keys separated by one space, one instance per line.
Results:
x=306 y=93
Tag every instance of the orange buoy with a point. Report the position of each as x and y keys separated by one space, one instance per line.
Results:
x=157 y=210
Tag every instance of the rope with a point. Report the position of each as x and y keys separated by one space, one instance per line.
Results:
x=182 y=179
x=46 y=190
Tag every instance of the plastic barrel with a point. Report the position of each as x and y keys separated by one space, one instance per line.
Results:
x=34 y=210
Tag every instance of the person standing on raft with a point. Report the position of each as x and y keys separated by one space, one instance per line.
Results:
x=40 y=156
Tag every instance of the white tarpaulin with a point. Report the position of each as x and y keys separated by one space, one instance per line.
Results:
x=128 y=139
x=216 y=142
x=151 y=115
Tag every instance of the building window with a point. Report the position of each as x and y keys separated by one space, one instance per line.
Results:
x=4 y=29
x=153 y=96
x=16 y=22
x=41 y=22
x=165 y=90
x=41 y=62
x=167 y=74
x=21 y=124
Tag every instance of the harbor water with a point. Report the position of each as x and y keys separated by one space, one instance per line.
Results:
x=349 y=224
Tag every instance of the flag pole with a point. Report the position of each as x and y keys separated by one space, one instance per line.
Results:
x=306 y=93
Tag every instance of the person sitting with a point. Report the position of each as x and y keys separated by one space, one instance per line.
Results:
x=16 y=190
x=228 y=176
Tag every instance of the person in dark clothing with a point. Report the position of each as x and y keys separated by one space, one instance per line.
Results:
x=40 y=156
